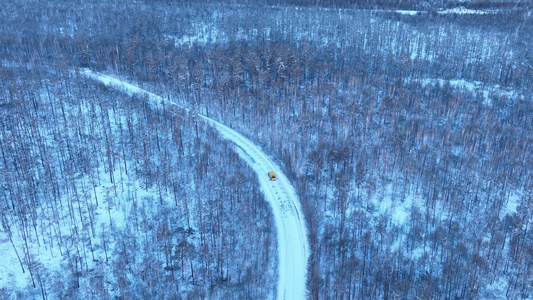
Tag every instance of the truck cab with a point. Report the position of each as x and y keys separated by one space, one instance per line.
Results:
x=272 y=175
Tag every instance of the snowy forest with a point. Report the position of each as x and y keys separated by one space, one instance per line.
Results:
x=406 y=128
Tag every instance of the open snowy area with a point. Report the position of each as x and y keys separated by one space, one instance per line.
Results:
x=140 y=140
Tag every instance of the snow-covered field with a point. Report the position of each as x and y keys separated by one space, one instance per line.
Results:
x=293 y=248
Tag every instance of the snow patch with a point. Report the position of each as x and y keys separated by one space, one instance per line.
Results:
x=461 y=10
x=408 y=12
x=487 y=92
x=204 y=34
x=511 y=205
x=399 y=211
x=496 y=289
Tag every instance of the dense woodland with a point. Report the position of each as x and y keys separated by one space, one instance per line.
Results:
x=367 y=111
x=130 y=198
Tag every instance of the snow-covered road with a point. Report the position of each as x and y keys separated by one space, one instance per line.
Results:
x=293 y=248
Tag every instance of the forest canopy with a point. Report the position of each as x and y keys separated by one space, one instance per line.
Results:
x=407 y=135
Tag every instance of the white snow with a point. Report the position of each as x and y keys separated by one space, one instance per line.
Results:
x=475 y=87
x=461 y=10
x=408 y=12
x=10 y=270
x=511 y=205
x=203 y=34
x=293 y=248
x=399 y=211
x=496 y=289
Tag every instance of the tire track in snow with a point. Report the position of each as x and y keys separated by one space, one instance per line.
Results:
x=293 y=248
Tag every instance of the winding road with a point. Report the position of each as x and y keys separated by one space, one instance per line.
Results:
x=293 y=248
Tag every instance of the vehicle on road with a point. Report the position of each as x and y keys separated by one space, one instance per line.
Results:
x=272 y=175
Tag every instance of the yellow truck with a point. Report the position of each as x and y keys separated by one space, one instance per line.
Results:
x=272 y=175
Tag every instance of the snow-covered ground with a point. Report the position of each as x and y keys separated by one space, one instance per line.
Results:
x=461 y=10
x=110 y=213
x=293 y=248
x=475 y=87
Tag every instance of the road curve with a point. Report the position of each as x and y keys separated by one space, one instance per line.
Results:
x=293 y=248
